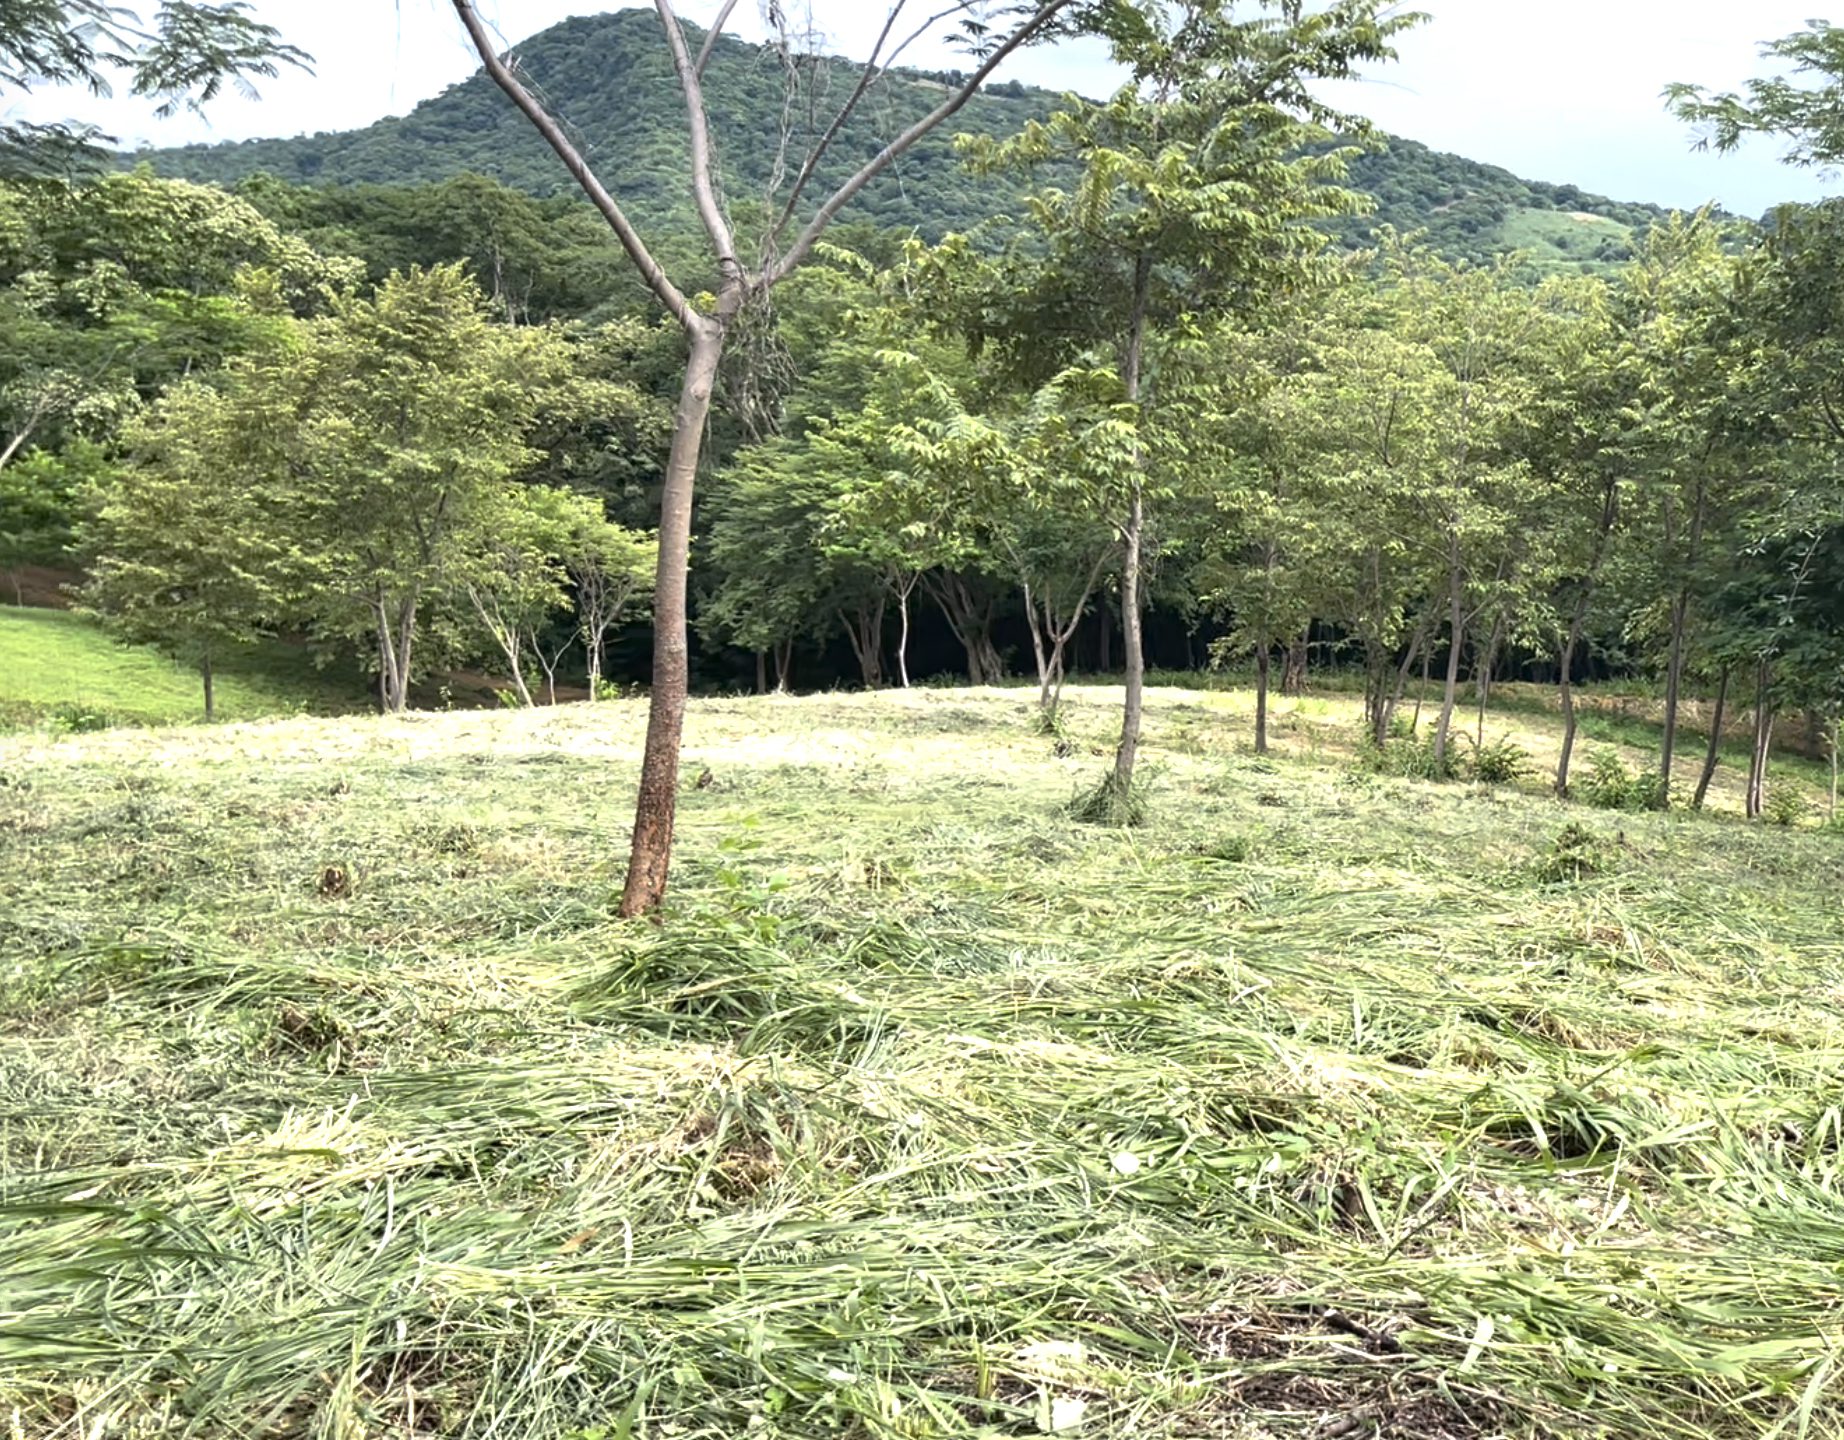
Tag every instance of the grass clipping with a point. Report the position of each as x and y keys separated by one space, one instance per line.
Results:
x=1417 y=1120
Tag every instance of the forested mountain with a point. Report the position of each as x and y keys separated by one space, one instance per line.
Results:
x=614 y=84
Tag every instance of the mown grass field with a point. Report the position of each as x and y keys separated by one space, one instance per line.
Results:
x=339 y=1104
x=58 y=666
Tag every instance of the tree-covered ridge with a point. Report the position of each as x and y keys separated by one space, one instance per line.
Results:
x=610 y=79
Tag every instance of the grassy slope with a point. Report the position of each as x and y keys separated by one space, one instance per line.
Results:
x=927 y=1114
x=51 y=660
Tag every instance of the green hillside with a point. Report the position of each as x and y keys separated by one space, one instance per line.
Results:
x=61 y=667
x=611 y=79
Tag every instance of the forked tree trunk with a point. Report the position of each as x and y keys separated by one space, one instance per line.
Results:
x=971 y=621
x=1293 y=678
x=1713 y=754
x=1756 y=798
x=651 y=851
x=784 y=666
x=864 y=627
x=904 y=590
x=650 y=856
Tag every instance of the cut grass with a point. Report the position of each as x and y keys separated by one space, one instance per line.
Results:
x=56 y=664
x=928 y=1111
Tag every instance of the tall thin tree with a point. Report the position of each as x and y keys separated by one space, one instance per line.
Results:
x=737 y=286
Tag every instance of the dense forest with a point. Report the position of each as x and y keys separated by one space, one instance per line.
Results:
x=609 y=79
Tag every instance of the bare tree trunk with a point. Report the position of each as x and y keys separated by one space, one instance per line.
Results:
x=865 y=630
x=1261 y=698
x=1674 y=668
x=656 y=807
x=971 y=621
x=1450 y=693
x=1293 y=677
x=1038 y=652
x=205 y=675
x=1763 y=740
x=1566 y=682
x=1133 y=538
x=1483 y=680
x=1714 y=753
x=784 y=666
x=903 y=592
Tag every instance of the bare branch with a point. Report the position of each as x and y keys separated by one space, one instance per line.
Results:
x=710 y=39
x=943 y=112
x=704 y=185
x=818 y=152
x=547 y=126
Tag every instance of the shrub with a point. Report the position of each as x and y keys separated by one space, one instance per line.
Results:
x=1612 y=786
x=1784 y=806
x=1503 y=762
x=1231 y=849
x=72 y=718
x=1574 y=854
x=1408 y=760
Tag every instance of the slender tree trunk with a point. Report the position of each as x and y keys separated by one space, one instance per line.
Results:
x=1483 y=680
x=1261 y=698
x=1293 y=678
x=1714 y=753
x=656 y=806
x=205 y=675
x=1566 y=683
x=1418 y=645
x=1038 y=653
x=761 y=672
x=1763 y=740
x=1451 y=692
x=1674 y=667
x=1831 y=805
x=903 y=592
x=1132 y=628
x=784 y=666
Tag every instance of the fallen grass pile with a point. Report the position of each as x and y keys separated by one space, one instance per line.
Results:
x=1328 y=1104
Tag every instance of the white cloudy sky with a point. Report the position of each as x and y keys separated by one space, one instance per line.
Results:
x=1563 y=90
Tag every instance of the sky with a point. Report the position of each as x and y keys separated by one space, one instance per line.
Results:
x=1557 y=90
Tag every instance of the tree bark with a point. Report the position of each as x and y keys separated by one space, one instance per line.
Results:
x=865 y=629
x=1763 y=740
x=1450 y=693
x=1674 y=667
x=1133 y=539
x=971 y=621
x=1566 y=681
x=1261 y=698
x=1714 y=753
x=656 y=807
x=1293 y=677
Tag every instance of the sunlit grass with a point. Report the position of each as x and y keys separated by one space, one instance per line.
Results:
x=1324 y=1103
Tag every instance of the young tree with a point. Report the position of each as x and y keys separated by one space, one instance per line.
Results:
x=409 y=411
x=1195 y=190
x=740 y=282
x=612 y=569
x=183 y=551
